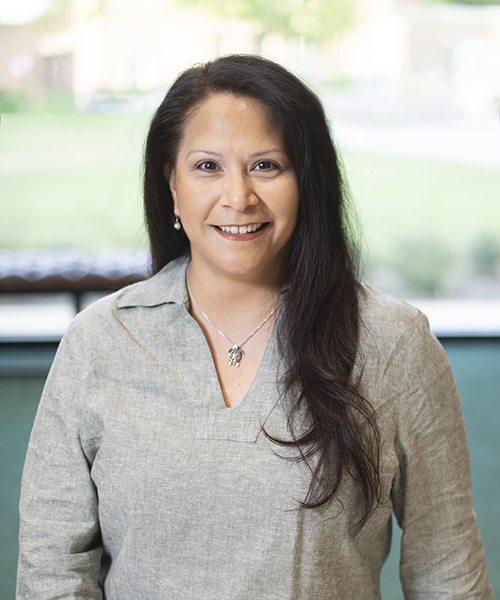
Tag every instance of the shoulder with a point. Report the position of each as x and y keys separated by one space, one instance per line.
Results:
x=396 y=342
x=387 y=322
x=387 y=317
x=165 y=287
x=105 y=321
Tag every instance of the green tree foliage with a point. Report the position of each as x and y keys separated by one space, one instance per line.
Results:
x=61 y=13
x=311 y=20
x=57 y=16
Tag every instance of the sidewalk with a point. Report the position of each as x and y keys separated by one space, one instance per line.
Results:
x=37 y=317
x=461 y=318
x=46 y=319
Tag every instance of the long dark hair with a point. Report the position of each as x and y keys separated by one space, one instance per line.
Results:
x=319 y=325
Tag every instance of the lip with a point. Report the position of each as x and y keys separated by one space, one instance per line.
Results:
x=240 y=237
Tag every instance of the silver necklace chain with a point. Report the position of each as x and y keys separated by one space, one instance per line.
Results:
x=235 y=353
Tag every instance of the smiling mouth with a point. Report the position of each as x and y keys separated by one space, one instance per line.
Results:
x=241 y=230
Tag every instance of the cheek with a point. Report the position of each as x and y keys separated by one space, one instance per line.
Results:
x=289 y=208
x=195 y=208
x=194 y=196
x=187 y=199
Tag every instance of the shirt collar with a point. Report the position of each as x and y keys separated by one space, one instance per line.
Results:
x=166 y=287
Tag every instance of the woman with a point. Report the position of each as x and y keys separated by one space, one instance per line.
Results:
x=243 y=424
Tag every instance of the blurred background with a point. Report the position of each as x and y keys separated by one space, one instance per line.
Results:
x=412 y=89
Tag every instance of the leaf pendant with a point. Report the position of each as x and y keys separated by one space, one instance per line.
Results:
x=235 y=355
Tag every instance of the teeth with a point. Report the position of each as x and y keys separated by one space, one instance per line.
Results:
x=241 y=230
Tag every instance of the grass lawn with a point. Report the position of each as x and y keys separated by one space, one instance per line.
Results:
x=71 y=181
x=403 y=199
x=75 y=181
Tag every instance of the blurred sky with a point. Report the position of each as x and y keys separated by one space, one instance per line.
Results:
x=17 y=12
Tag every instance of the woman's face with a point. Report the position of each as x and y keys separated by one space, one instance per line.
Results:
x=235 y=189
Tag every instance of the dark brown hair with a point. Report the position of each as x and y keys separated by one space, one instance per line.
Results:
x=319 y=323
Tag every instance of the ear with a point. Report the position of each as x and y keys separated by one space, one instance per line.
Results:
x=169 y=173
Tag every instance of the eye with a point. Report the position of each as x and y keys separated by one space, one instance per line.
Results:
x=207 y=166
x=265 y=165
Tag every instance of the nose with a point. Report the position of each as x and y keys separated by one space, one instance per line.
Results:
x=238 y=192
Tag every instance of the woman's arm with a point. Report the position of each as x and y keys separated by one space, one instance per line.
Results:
x=59 y=541
x=441 y=549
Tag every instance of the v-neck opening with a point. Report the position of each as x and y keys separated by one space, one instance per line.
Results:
x=248 y=392
x=213 y=419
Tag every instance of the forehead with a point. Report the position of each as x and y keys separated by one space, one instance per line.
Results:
x=223 y=115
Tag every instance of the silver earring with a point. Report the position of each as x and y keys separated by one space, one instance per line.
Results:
x=177 y=224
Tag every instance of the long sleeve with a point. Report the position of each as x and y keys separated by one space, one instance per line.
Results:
x=441 y=552
x=134 y=450
x=59 y=537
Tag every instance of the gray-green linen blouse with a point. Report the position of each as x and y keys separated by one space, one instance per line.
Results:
x=137 y=470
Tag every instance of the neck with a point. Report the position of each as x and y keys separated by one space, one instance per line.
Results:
x=233 y=301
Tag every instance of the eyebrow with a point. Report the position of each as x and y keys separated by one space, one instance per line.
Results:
x=261 y=153
x=253 y=155
x=204 y=151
